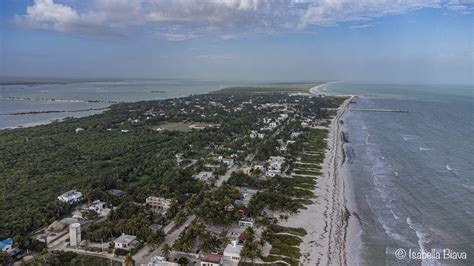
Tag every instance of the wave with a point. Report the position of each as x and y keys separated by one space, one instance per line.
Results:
x=425 y=149
x=407 y=137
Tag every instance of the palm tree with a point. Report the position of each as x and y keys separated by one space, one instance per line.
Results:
x=185 y=247
x=166 y=250
x=129 y=260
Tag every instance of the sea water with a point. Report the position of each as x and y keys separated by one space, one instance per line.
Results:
x=411 y=175
x=115 y=91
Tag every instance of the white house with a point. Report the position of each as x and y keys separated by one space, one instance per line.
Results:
x=126 y=242
x=203 y=176
x=232 y=252
x=228 y=161
x=70 y=196
x=97 y=206
x=211 y=259
x=79 y=129
x=247 y=222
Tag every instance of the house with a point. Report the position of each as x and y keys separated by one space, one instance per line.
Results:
x=232 y=252
x=97 y=206
x=253 y=134
x=161 y=261
x=179 y=158
x=203 y=176
x=126 y=242
x=70 y=196
x=211 y=259
x=116 y=192
x=228 y=161
x=275 y=164
x=246 y=222
x=79 y=129
x=124 y=130
x=6 y=245
x=159 y=204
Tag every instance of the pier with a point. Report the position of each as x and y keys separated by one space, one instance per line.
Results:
x=370 y=110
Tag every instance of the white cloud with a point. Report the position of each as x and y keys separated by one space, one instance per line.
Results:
x=175 y=37
x=185 y=19
x=362 y=26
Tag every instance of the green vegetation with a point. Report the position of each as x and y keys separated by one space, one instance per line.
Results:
x=119 y=149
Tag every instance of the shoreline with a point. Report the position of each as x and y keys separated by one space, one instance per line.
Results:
x=327 y=220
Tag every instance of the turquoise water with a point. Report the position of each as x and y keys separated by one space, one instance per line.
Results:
x=411 y=175
x=127 y=91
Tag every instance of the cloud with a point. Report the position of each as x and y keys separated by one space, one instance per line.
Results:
x=175 y=37
x=186 y=19
x=362 y=26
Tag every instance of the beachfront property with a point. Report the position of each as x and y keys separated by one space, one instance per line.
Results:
x=204 y=176
x=159 y=204
x=70 y=196
x=232 y=253
x=126 y=242
x=161 y=261
x=211 y=259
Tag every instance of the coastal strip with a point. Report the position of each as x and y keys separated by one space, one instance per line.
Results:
x=55 y=111
x=327 y=219
x=57 y=100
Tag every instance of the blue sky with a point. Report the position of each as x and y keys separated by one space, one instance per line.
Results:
x=408 y=41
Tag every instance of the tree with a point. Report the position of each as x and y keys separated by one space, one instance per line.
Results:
x=129 y=260
x=166 y=250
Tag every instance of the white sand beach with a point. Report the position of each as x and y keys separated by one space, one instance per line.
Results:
x=326 y=221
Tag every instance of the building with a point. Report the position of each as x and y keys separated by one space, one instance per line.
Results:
x=126 y=242
x=74 y=234
x=6 y=245
x=161 y=261
x=97 y=206
x=275 y=164
x=179 y=158
x=246 y=222
x=70 y=196
x=159 y=204
x=204 y=176
x=228 y=161
x=211 y=259
x=116 y=192
x=79 y=129
x=232 y=252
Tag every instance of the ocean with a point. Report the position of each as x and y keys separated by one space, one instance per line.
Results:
x=18 y=98
x=410 y=175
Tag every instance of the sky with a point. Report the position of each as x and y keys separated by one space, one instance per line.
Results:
x=401 y=41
